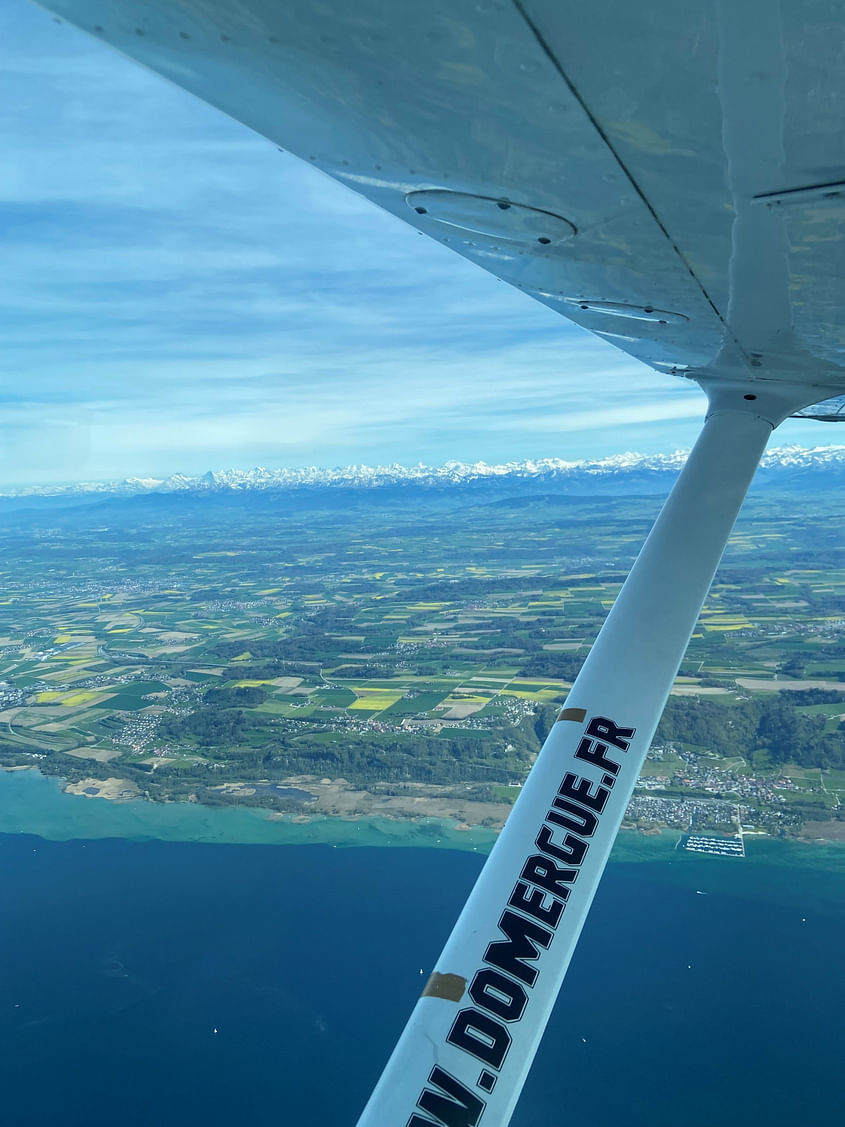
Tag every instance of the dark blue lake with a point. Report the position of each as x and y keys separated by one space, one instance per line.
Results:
x=120 y=959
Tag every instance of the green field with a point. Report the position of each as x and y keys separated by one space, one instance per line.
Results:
x=392 y=643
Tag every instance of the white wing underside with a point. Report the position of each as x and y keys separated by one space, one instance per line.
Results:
x=671 y=176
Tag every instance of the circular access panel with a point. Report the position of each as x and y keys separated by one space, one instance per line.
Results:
x=631 y=312
x=496 y=218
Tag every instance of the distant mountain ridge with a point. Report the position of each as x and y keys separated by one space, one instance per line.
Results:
x=623 y=473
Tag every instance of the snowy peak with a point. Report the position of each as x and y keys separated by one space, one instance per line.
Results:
x=623 y=471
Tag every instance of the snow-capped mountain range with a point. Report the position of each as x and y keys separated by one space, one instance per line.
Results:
x=621 y=470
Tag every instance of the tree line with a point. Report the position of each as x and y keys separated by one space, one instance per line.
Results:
x=768 y=731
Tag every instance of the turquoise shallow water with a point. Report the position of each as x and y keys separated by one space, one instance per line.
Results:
x=33 y=803
x=704 y=990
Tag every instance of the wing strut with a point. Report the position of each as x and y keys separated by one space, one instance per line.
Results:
x=467 y=1048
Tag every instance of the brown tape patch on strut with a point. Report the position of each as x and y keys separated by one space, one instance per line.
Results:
x=579 y=715
x=449 y=986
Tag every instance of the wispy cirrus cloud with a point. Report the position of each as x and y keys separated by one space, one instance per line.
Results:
x=178 y=295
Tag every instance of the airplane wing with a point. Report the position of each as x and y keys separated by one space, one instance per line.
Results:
x=668 y=175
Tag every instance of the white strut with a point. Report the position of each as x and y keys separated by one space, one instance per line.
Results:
x=470 y=1041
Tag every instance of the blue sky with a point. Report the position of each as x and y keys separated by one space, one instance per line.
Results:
x=177 y=295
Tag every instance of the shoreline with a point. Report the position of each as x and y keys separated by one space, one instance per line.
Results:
x=337 y=799
x=32 y=803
